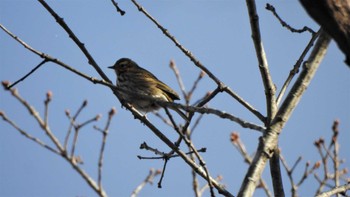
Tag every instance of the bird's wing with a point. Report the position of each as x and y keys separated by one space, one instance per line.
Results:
x=159 y=84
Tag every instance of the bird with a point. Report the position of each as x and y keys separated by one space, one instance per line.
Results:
x=141 y=88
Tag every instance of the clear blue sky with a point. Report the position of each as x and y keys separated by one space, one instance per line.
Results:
x=217 y=33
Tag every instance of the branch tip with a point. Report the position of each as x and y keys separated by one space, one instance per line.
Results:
x=98 y=117
x=6 y=84
x=85 y=103
x=335 y=126
x=112 y=112
x=67 y=112
x=234 y=137
x=48 y=96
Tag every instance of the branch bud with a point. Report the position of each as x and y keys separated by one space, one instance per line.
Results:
x=202 y=74
x=67 y=112
x=234 y=137
x=317 y=165
x=98 y=117
x=172 y=63
x=112 y=112
x=48 y=96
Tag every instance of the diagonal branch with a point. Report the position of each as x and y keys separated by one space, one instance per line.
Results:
x=336 y=190
x=81 y=45
x=21 y=131
x=268 y=142
x=221 y=85
x=49 y=58
x=296 y=67
x=198 y=169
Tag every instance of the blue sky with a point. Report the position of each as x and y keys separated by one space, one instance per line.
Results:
x=216 y=32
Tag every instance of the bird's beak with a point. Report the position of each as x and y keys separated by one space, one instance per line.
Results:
x=111 y=67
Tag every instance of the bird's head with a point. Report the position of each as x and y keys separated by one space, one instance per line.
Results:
x=123 y=65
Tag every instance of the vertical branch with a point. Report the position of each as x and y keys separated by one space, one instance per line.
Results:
x=336 y=153
x=263 y=65
x=235 y=139
x=178 y=78
x=104 y=139
x=72 y=122
x=46 y=102
x=275 y=170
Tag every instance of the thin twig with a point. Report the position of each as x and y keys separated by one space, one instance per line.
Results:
x=179 y=79
x=191 y=146
x=57 y=61
x=195 y=84
x=145 y=146
x=163 y=172
x=103 y=145
x=335 y=160
x=25 y=76
x=77 y=130
x=72 y=122
x=296 y=67
x=284 y=24
x=122 y=12
x=245 y=104
x=149 y=179
x=27 y=135
x=165 y=120
x=37 y=117
x=203 y=150
x=308 y=172
x=206 y=186
x=290 y=174
x=46 y=102
x=46 y=129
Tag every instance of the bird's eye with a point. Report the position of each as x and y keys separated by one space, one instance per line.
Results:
x=123 y=64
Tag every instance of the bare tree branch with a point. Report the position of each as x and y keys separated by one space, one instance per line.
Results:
x=286 y=25
x=236 y=141
x=49 y=58
x=269 y=86
x=336 y=190
x=221 y=85
x=269 y=141
x=122 y=12
x=296 y=67
x=81 y=45
x=149 y=179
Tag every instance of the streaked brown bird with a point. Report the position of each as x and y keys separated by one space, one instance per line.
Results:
x=140 y=86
